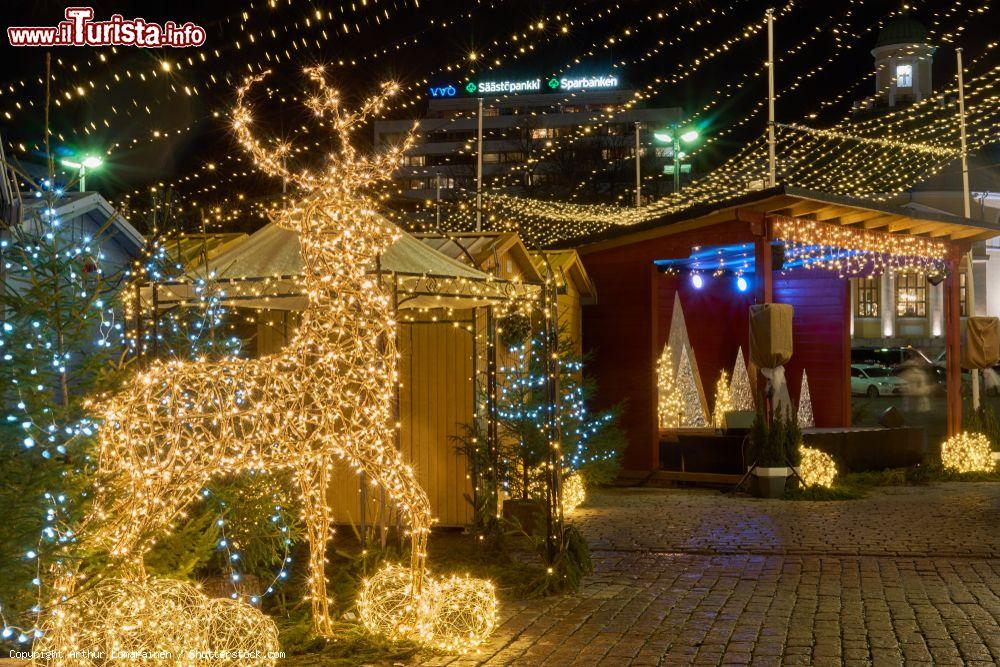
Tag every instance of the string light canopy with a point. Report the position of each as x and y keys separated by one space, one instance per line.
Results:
x=328 y=395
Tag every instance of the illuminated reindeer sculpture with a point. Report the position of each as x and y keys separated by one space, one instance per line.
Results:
x=328 y=395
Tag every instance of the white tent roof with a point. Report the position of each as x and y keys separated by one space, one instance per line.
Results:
x=265 y=270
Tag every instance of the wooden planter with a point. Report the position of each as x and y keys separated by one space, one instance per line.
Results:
x=770 y=482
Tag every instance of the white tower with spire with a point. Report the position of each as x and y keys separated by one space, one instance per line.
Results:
x=903 y=61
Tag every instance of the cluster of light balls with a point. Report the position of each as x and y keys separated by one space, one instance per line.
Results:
x=967 y=452
x=156 y=622
x=817 y=468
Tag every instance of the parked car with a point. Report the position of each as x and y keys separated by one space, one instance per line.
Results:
x=871 y=380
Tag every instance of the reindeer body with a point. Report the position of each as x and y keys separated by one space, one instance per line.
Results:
x=329 y=394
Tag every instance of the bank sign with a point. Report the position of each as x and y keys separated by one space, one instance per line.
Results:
x=518 y=86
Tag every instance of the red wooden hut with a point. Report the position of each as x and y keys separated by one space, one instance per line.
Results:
x=625 y=330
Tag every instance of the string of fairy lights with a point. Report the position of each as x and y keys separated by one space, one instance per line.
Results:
x=540 y=28
x=825 y=160
x=798 y=80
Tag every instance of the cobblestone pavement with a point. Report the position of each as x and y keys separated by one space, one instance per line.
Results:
x=907 y=576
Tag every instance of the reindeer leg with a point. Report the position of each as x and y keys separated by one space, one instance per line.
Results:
x=318 y=521
x=139 y=516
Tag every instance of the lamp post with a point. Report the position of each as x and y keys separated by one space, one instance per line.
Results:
x=675 y=137
x=638 y=167
x=88 y=162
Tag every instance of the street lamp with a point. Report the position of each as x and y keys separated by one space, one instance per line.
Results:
x=88 y=162
x=674 y=136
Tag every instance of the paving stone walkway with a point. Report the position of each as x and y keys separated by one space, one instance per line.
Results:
x=906 y=576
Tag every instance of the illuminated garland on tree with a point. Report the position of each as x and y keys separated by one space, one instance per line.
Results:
x=670 y=402
x=723 y=400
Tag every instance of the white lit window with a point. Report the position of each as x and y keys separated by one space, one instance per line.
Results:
x=904 y=76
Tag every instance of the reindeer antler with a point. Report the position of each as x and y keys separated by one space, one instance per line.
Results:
x=345 y=170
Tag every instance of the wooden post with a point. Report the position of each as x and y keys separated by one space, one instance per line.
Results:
x=953 y=346
x=492 y=436
x=764 y=290
x=764 y=276
x=845 y=400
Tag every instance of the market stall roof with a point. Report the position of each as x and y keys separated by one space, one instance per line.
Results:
x=191 y=249
x=265 y=270
x=568 y=267
x=487 y=251
x=798 y=203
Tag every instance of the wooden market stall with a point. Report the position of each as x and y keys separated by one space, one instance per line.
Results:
x=789 y=246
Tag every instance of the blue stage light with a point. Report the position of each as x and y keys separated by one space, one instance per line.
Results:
x=697 y=280
x=742 y=284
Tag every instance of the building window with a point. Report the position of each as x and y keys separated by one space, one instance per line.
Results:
x=963 y=307
x=413 y=160
x=868 y=296
x=911 y=295
x=904 y=76
x=542 y=133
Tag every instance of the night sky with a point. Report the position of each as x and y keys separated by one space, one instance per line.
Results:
x=484 y=28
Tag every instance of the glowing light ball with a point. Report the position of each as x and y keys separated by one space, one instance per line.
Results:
x=967 y=452
x=387 y=605
x=573 y=492
x=465 y=613
x=236 y=633
x=456 y=614
x=155 y=622
x=817 y=468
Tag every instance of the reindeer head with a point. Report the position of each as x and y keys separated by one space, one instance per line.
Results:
x=342 y=189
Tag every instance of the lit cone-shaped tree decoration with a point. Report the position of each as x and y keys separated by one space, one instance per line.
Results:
x=670 y=404
x=679 y=342
x=805 y=413
x=723 y=401
x=694 y=416
x=740 y=390
x=327 y=395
